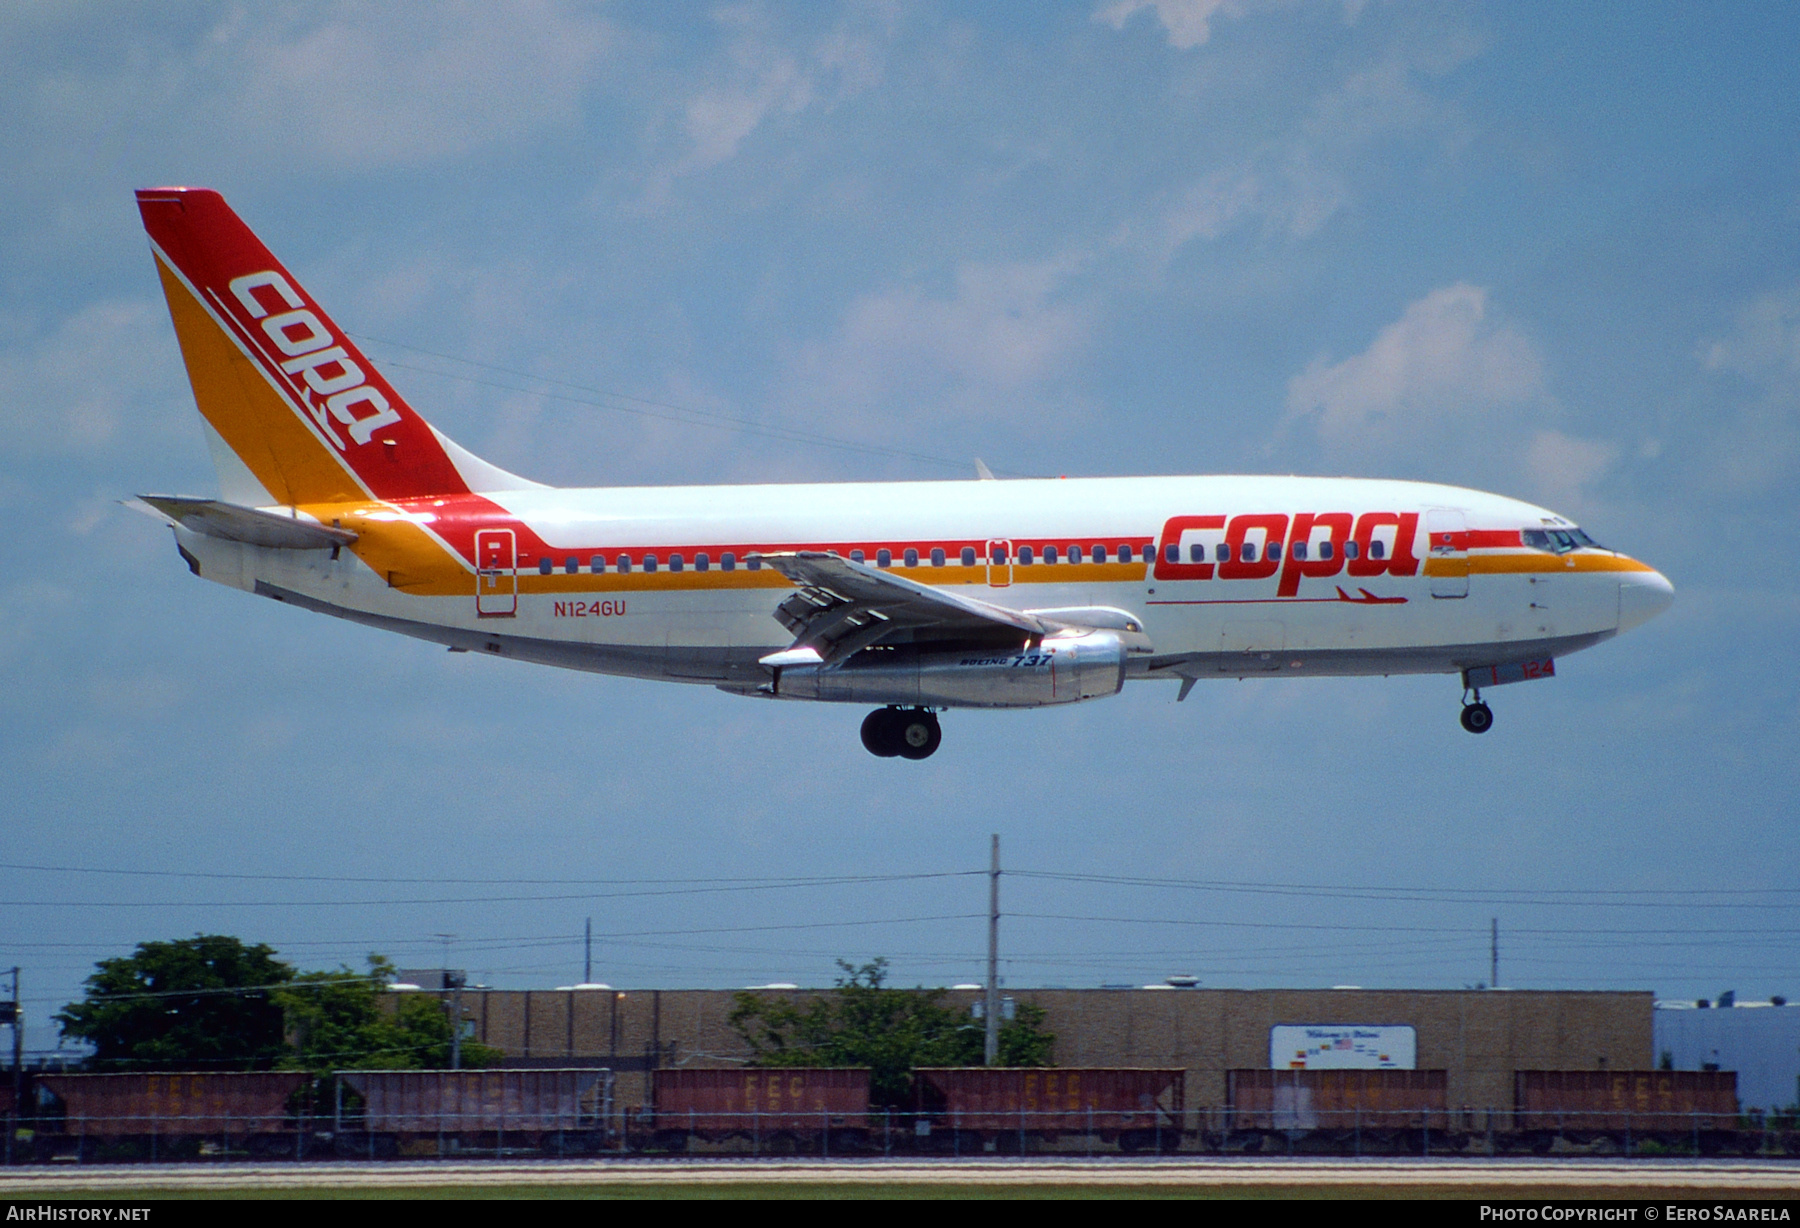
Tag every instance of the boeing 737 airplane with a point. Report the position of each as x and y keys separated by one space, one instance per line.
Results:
x=913 y=597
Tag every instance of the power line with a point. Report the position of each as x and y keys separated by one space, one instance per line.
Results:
x=366 y=903
x=1560 y=897
x=1331 y=927
x=777 y=880
x=685 y=415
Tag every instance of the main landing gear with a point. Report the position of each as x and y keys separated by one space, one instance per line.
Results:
x=1477 y=717
x=911 y=733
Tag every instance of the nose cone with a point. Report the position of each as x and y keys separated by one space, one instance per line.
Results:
x=1642 y=596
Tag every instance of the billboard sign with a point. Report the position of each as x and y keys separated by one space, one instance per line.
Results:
x=1343 y=1046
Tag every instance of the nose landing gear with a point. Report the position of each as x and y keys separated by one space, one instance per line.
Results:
x=1477 y=717
x=911 y=733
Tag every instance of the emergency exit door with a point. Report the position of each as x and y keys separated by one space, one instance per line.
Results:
x=496 y=573
x=999 y=562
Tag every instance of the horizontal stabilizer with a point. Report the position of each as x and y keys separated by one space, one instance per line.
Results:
x=214 y=518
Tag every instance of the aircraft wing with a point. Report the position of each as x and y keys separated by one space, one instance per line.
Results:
x=843 y=606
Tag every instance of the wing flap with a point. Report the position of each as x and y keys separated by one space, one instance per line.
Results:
x=841 y=606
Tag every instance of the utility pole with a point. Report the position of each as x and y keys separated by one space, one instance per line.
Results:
x=453 y=981
x=456 y=980
x=587 y=954
x=991 y=1007
x=17 y=1019
x=1494 y=953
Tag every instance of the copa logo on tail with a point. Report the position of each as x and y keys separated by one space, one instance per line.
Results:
x=311 y=353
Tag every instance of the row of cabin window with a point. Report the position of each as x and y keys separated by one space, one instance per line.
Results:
x=597 y=564
x=1026 y=556
x=883 y=558
x=1247 y=551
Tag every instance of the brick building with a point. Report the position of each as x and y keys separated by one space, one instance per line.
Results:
x=1478 y=1037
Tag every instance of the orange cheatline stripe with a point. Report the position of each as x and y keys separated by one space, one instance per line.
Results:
x=1547 y=564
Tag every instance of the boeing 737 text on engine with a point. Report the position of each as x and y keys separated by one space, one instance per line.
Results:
x=913 y=597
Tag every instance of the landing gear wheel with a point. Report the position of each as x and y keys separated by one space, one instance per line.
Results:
x=1477 y=717
x=919 y=734
x=881 y=732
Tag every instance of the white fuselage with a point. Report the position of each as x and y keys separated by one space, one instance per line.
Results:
x=1392 y=577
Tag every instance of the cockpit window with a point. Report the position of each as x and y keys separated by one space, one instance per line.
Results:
x=1558 y=541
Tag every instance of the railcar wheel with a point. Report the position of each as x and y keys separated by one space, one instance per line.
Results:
x=1477 y=717
x=881 y=732
x=920 y=734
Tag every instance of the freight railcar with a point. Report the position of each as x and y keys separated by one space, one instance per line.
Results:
x=796 y=1108
x=999 y=1108
x=381 y=1113
x=169 y=1115
x=1334 y=1109
x=1674 y=1108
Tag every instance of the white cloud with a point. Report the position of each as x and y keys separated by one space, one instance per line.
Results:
x=1561 y=468
x=1187 y=22
x=1443 y=359
x=1450 y=393
x=1760 y=444
x=760 y=78
x=375 y=84
x=1002 y=329
x=75 y=387
x=1211 y=207
x=1293 y=199
x=1297 y=182
x=719 y=119
x=1766 y=344
x=1375 y=103
x=338 y=87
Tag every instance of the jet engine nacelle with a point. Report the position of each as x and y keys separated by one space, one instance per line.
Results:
x=1061 y=669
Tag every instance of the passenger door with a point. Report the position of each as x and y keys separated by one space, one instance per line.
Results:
x=496 y=573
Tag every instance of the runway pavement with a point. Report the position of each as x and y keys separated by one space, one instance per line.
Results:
x=1489 y=1178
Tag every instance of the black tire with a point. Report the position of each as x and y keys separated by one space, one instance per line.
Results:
x=920 y=734
x=881 y=732
x=1477 y=717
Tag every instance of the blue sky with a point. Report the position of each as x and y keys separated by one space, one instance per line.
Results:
x=1548 y=250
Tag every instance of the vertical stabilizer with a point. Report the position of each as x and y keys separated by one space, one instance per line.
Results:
x=295 y=412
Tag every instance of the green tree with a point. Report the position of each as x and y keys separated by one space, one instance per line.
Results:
x=1023 y=1041
x=349 y=1020
x=201 y=1003
x=214 y=1003
x=891 y=1031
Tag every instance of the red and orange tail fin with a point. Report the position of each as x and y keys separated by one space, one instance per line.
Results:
x=286 y=391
